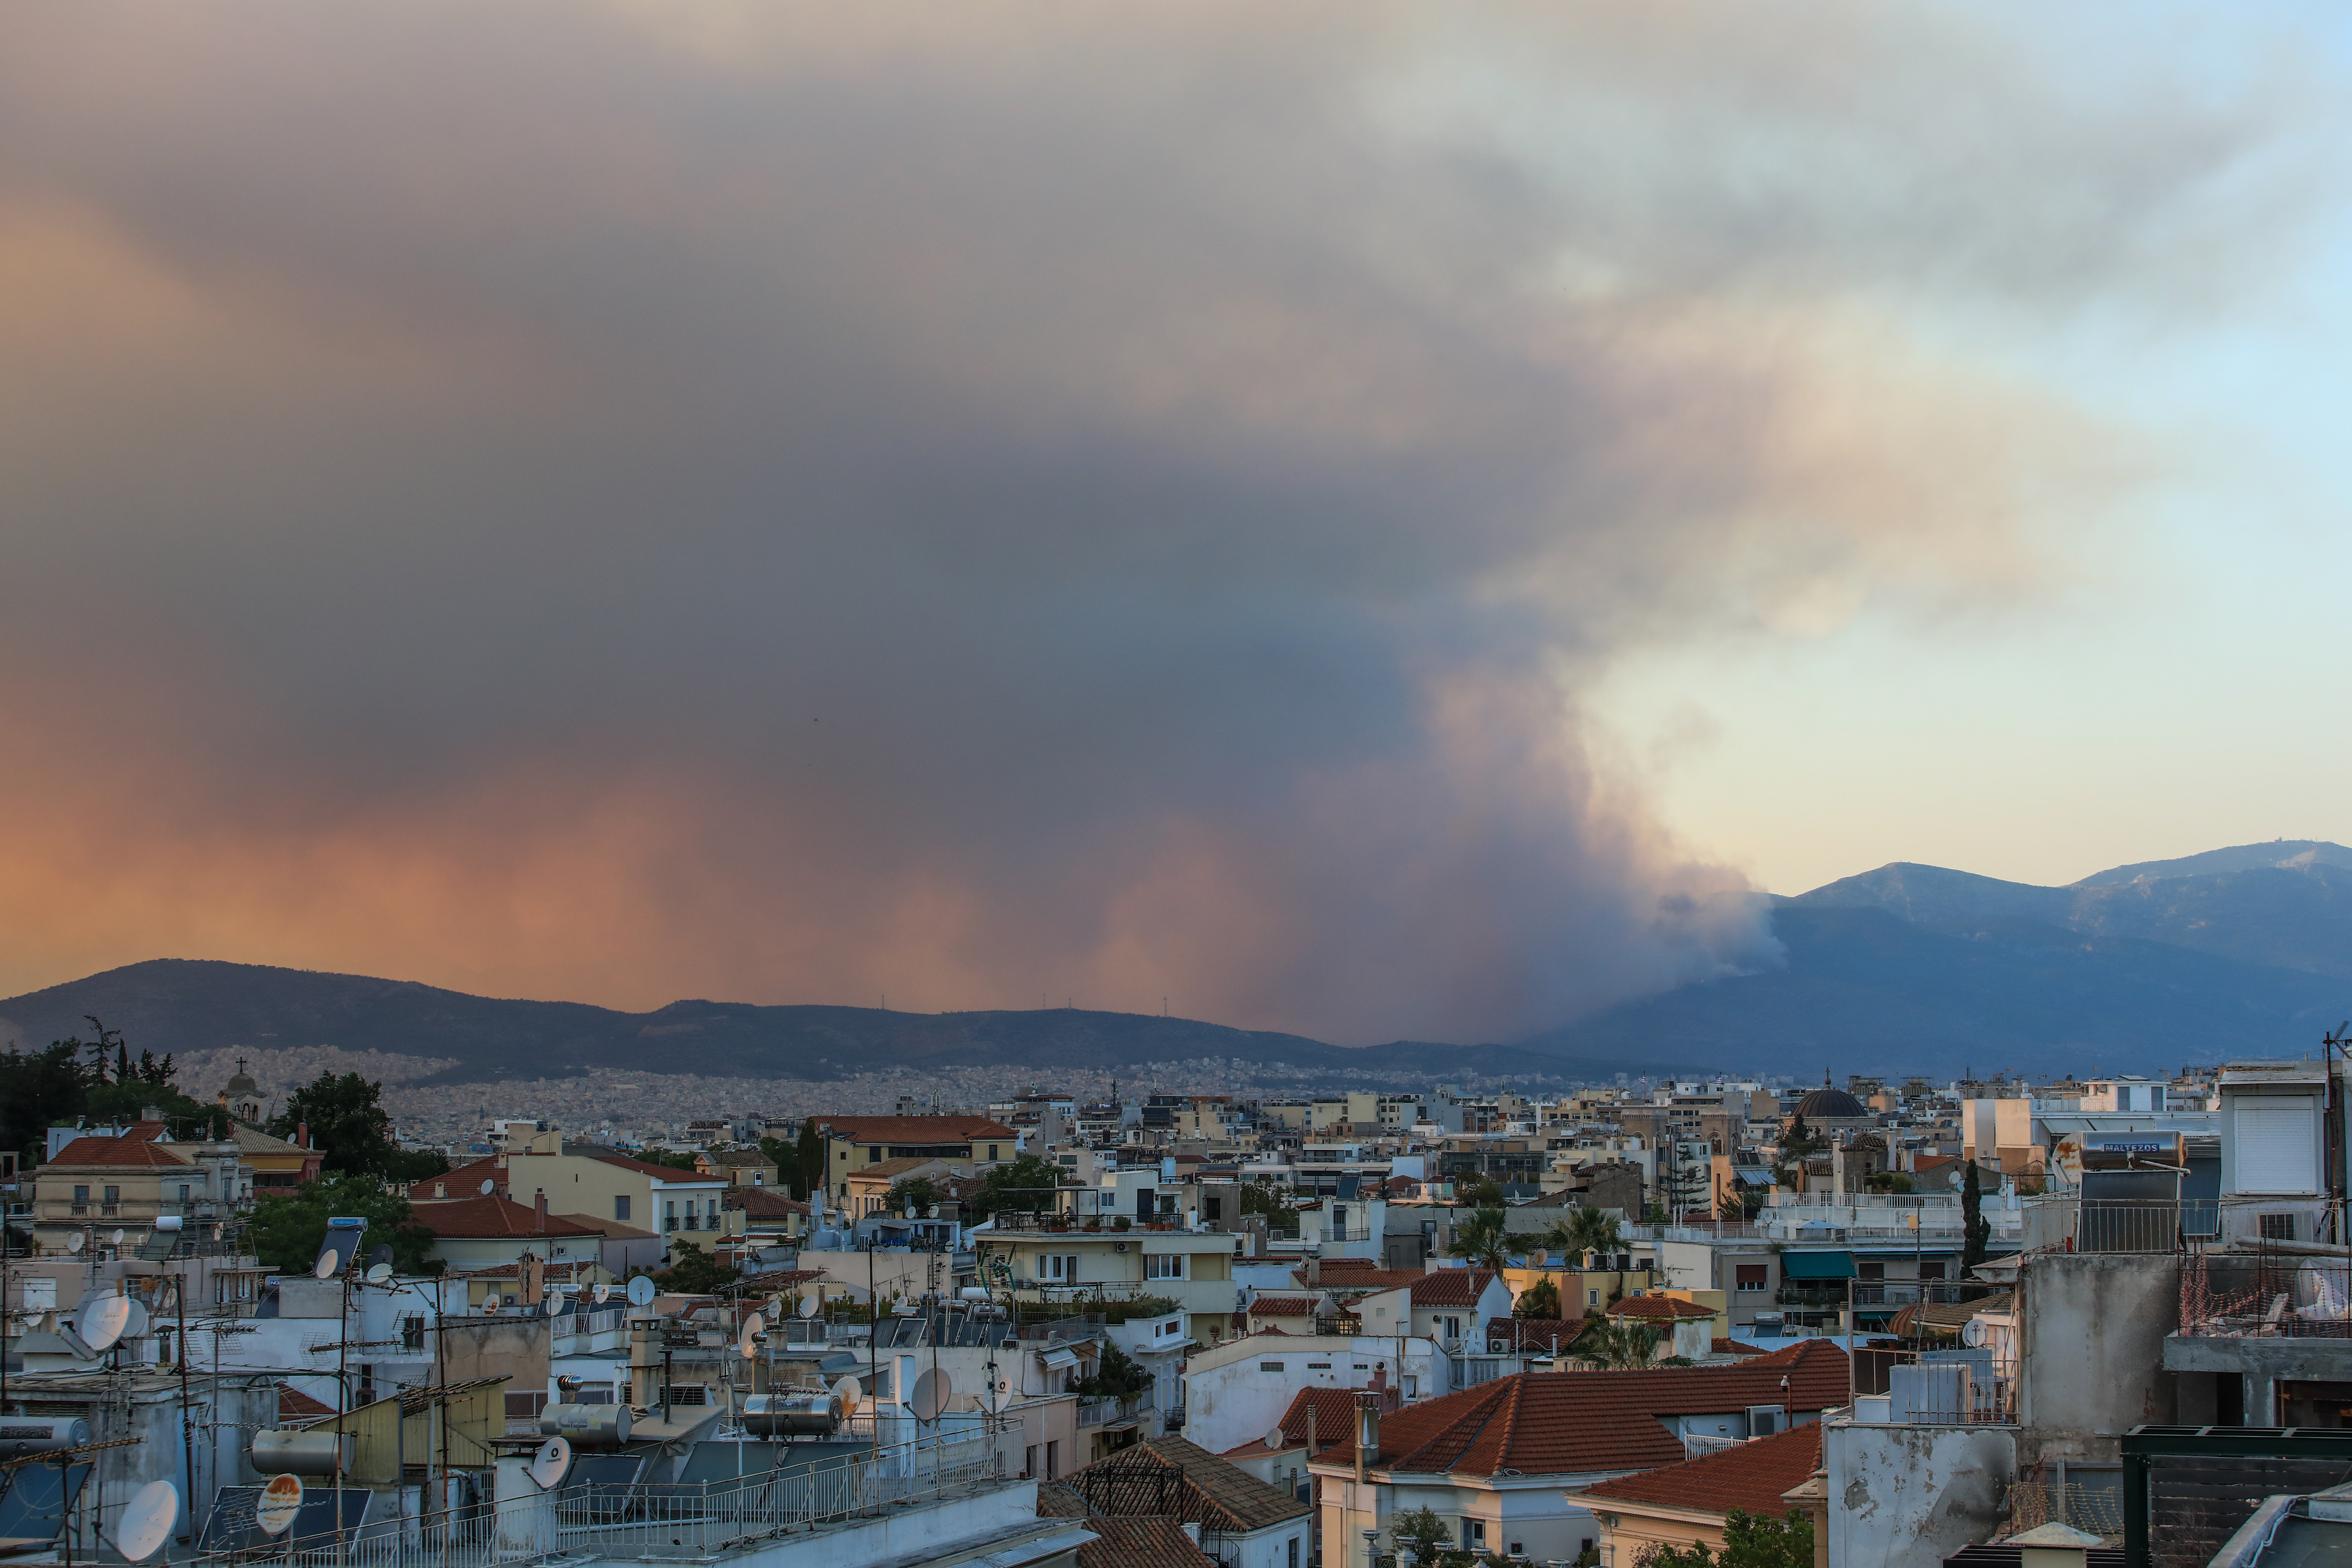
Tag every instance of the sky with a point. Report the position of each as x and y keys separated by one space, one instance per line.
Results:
x=1378 y=521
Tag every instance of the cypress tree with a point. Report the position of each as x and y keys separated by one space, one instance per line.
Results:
x=1974 y=1229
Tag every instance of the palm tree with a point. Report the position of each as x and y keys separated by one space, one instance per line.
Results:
x=1585 y=1230
x=1619 y=1346
x=1483 y=1239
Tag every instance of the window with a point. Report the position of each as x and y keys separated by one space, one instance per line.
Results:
x=1029 y=1460
x=1473 y=1534
x=113 y=1195
x=184 y=1192
x=1293 y=1561
x=2276 y=1227
x=992 y=1148
x=1747 y=1275
x=1163 y=1266
x=1870 y=1270
x=1269 y=1366
x=1054 y=1459
x=1933 y=1268
x=873 y=1154
x=81 y=1196
x=1060 y=1269
x=620 y=1208
x=1318 y=1366
x=1592 y=1298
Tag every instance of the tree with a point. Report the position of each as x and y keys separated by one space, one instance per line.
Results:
x=1116 y=1375
x=1423 y=1533
x=1026 y=1185
x=810 y=1178
x=1540 y=1299
x=1976 y=1231
x=407 y=1165
x=672 y=1158
x=1619 y=1345
x=1272 y=1201
x=286 y=1229
x=914 y=1192
x=1585 y=1229
x=1479 y=1192
x=694 y=1272
x=347 y=1122
x=38 y=1091
x=1483 y=1239
x=1749 y=1540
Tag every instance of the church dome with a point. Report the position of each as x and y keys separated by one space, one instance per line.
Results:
x=1827 y=1104
x=242 y=1086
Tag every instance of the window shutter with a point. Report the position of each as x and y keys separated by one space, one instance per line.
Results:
x=2274 y=1149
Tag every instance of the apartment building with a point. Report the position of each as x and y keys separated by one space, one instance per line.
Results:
x=964 y=1139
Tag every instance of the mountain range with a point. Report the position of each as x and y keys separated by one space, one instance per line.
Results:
x=1908 y=968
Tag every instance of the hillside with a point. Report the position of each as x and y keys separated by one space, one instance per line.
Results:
x=2239 y=952
x=180 y=1005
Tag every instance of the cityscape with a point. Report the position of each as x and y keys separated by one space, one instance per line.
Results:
x=1208 y=785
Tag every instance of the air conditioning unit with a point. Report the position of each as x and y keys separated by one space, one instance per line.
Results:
x=1118 y=1246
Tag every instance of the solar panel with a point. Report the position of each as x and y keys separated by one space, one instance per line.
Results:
x=232 y=1527
x=37 y=1498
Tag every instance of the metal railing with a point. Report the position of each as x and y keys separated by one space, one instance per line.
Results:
x=2265 y=1294
x=1101 y=1411
x=2076 y=1224
x=673 y=1520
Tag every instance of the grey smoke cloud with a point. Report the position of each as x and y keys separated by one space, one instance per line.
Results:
x=767 y=502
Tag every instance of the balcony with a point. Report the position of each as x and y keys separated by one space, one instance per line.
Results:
x=1112 y=1411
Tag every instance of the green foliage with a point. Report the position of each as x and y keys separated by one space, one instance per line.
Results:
x=1976 y=1231
x=1888 y=1182
x=812 y=1173
x=1008 y=1187
x=1618 y=1345
x=912 y=1193
x=1540 y=1299
x=672 y=1158
x=1584 y=1230
x=792 y=1162
x=694 y=1272
x=1116 y=1375
x=347 y=1122
x=406 y=1165
x=1273 y=1200
x=1422 y=1537
x=287 y=1228
x=55 y=1087
x=1483 y=1239
x=1749 y=1540
x=38 y=1089
x=1479 y=1192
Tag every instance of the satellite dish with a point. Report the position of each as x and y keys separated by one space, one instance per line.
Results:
x=850 y=1396
x=1973 y=1333
x=138 y=1318
x=549 y=1464
x=325 y=1267
x=808 y=1307
x=147 y=1521
x=488 y=1186
x=932 y=1390
x=279 y=1501
x=381 y=1256
x=1276 y=1439
x=102 y=1322
x=641 y=1290
x=753 y=1335
x=604 y=1294
x=73 y=1242
x=116 y=1239
x=378 y=1273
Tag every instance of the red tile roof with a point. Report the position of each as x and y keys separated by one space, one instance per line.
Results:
x=914 y=1129
x=142 y=1153
x=462 y=1182
x=1750 y=1477
x=647 y=1168
x=1733 y=1347
x=1359 y=1281
x=293 y=1405
x=1548 y=1423
x=1662 y=1308
x=1452 y=1287
x=491 y=1218
x=1534 y=1334
x=1283 y=1307
x=1334 y=1417
x=763 y=1203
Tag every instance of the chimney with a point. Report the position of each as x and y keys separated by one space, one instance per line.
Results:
x=1368 y=1433
x=540 y=1202
x=302 y=1134
x=1314 y=1270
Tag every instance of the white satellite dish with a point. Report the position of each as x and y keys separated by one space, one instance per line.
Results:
x=932 y=1390
x=378 y=1274
x=147 y=1521
x=849 y=1393
x=116 y=1239
x=488 y=1186
x=102 y=1322
x=753 y=1335
x=1973 y=1333
x=279 y=1501
x=604 y=1294
x=641 y=1290
x=325 y=1267
x=549 y=1465
x=1275 y=1439
x=73 y=1242
x=808 y=1307
x=138 y=1323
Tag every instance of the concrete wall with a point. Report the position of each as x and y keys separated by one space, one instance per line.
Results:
x=2091 y=1345
x=1908 y=1497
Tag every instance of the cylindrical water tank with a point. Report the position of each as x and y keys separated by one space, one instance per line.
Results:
x=796 y=1413
x=586 y=1426
x=277 y=1451
x=21 y=1435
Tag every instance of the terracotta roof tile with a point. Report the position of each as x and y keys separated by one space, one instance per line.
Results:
x=1549 y=1423
x=1140 y=1544
x=1217 y=1494
x=461 y=1181
x=293 y=1405
x=144 y=1153
x=1538 y=1334
x=763 y=1203
x=914 y=1129
x=1750 y=1477
x=1360 y=1282
x=1733 y=1347
x=1662 y=1308
x=647 y=1168
x=1452 y=1287
x=1335 y=1416
x=1283 y=1307
x=478 y=1219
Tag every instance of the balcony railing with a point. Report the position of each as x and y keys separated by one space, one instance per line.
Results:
x=2265 y=1295
x=2077 y=1225
x=1104 y=1411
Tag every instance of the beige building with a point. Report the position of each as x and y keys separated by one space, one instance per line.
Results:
x=1191 y=1268
x=99 y=1184
x=852 y=1142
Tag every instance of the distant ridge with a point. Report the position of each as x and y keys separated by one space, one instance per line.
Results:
x=1910 y=968
x=187 y=1004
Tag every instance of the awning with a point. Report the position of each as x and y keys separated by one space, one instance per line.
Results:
x=1817 y=1265
x=1058 y=1359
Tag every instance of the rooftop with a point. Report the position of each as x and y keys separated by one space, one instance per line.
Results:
x=1751 y=1476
